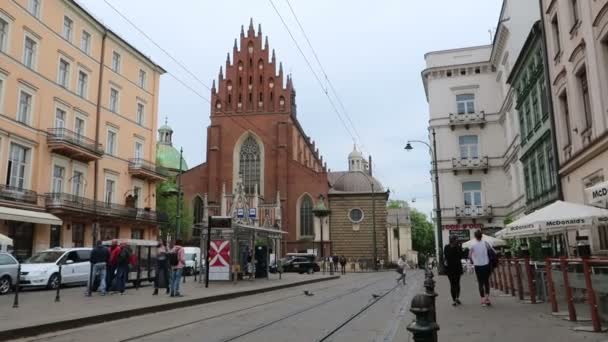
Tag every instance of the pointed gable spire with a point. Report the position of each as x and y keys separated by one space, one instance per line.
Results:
x=280 y=68
x=266 y=43
x=221 y=77
x=260 y=29
x=213 y=87
x=250 y=30
x=227 y=59
x=274 y=58
x=242 y=31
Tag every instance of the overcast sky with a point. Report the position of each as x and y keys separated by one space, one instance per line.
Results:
x=372 y=51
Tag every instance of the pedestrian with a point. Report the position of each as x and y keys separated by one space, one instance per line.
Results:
x=177 y=259
x=250 y=267
x=122 y=268
x=343 y=265
x=453 y=255
x=480 y=255
x=100 y=256
x=161 y=274
x=336 y=262
x=401 y=269
x=112 y=266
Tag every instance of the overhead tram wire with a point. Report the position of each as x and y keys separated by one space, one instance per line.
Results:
x=181 y=65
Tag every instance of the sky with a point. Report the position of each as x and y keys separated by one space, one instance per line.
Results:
x=372 y=52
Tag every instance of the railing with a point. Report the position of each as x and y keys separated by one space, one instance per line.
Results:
x=470 y=163
x=142 y=164
x=11 y=193
x=473 y=211
x=467 y=119
x=66 y=135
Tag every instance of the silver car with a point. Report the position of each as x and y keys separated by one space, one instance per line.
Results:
x=8 y=272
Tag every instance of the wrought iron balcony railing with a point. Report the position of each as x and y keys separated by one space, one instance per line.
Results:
x=142 y=168
x=16 y=194
x=74 y=145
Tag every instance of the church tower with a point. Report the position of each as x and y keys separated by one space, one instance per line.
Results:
x=356 y=161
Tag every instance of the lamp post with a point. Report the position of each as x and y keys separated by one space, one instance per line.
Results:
x=321 y=211
x=178 y=210
x=433 y=149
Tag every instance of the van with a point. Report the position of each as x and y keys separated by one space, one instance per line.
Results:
x=193 y=260
x=6 y=244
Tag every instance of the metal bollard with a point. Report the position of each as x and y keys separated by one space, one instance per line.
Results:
x=16 y=300
x=91 y=278
x=58 y=286
x=429 y=286
x=423 y=328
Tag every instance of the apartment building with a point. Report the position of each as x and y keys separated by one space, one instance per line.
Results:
x=577 y=47
x=78 y=111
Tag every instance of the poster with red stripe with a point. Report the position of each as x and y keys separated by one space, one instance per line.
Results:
x=219 y=260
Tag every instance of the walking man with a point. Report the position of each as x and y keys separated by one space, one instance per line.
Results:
x=122 y=268
x=343 y=265
x=178 y=261
x=100 y=256
x=453 y=256
x=401 y=269
x=162 y=275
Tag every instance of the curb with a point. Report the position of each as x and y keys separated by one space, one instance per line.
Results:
x=46 y=328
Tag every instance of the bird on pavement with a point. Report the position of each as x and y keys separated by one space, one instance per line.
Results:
x=308 y=293
x=375 y=296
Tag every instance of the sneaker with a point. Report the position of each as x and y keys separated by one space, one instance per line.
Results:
x=488 y=301
x=454 y=303
x=458 y=301
x=179 y=295
x=103 y=293
x=122 y=293
x=483 y=302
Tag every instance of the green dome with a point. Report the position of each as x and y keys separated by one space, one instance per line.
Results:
x=167 y=156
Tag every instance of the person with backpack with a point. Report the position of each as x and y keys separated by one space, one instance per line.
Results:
x=483 y=256
x=161 y=273
x=100 y=257
x=112 y=264
x=122 y=269
x=177 y=260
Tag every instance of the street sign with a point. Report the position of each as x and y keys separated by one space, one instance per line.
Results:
x=220 y=222
x=252 y=212
x=240 y=212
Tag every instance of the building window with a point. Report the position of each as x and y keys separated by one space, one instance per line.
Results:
x=85 y=42
x=527 y=118
x=527 y=181
x=469 y=146
x=575 y=15
x=536 y=111
x=111 y=143
x=78 y=235
x=64 y=73
x=55 y=238
x=198 y=210
x=68 y=28
x=138 y=197
x=563 y=103
x=58 y=179
x=34 y=8
x=110 y=189
x=114 y=100
x=137 y=234
x=139 y=150
x=78 y=183
x=3 y=34
x=108 y=233
x=140 y=114
x=472 y=193
x=542 y=172
x=465 y=103
x=582 y=79
x=25 y=108
x=533 y=180
x=556 y=38
x=142 y=79
x=249 y=165
x=355 y=215
x=29 y=53
x=83 y=80
x=544 y=106
x=551 y=165
x=116 y=62
x=306 y=217
x=17 y=166
x=60 y=118
x=79 y=126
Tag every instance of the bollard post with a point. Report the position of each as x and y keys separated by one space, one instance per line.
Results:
x=531 y=286
x=549 y=270
x=16 y=299
x=423 y=328
x=520 y=282
x=511 y=284
x=569 y=300
x=58 y=285
x=429 y=285
x=595 y=317
x=91 y=278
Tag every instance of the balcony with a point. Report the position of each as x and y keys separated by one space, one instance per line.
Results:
x=73 y=145
x=147 y=170
x=467 y=120
x=62 y=203
x=470 y=164
x=19 y=195
x=473 y=211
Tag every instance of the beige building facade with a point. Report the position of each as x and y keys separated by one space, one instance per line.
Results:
x=78 y=111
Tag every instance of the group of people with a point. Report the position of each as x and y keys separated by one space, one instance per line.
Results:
x=332 y=263
x=483 y=258
x=110 y=267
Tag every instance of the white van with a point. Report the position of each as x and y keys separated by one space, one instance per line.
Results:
x=193 y=260
x=6 y=244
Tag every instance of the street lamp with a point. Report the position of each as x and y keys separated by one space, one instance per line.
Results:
x=433 y=149
x=321 y=211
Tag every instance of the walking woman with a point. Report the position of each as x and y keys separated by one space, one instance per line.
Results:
x=161 y=274
x=480 y=255
x=453 y=256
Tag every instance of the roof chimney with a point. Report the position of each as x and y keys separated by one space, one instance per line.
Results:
x=370 y=166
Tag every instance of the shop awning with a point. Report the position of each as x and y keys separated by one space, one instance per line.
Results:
x=494 y=242
x=30 y=216
x=555 y=218
x=597 y=194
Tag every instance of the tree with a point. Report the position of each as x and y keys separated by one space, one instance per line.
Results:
x=166 y=202
x=423 y=233
x=396 y=204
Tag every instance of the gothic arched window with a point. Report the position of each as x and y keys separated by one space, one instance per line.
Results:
x=249 y=164
x=306 y=223
x=198 y=210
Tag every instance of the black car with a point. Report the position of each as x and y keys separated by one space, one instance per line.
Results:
x=300 y=264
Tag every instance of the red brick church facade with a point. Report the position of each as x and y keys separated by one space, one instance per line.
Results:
x=255 y=138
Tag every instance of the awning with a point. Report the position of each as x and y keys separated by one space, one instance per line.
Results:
x=494 y=242
x=30 y=216
x=555 y=218
x=597 y=194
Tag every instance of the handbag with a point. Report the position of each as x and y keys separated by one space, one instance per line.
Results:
x=492 y=257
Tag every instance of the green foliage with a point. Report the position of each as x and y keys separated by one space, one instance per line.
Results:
x=396 y=204
x=167 y=203
x=423 y=233
x=536 y=251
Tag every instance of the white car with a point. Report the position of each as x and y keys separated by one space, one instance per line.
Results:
x=193 y=260
x=42 y=269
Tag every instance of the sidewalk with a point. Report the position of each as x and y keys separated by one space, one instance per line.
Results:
x=39 y=313
x=507 y=320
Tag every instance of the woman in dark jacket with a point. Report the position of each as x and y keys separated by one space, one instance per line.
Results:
x=453 y=255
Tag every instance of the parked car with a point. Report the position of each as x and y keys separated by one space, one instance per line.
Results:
x=42 y=269
x=300 y=263
x=9 y=267
x=193 y=260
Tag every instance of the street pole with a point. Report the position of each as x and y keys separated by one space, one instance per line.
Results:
x=179 y=197
x=321 y=219
x=374 y=225
x=438 y=208
x=398 y=238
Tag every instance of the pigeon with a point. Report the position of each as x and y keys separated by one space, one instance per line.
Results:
x=308 y=293
x=375 y=296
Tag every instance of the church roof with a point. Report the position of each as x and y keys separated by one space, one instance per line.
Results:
x=353 y=182
x=167 y=156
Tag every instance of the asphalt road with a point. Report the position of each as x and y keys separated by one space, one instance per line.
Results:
x=357 y=307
